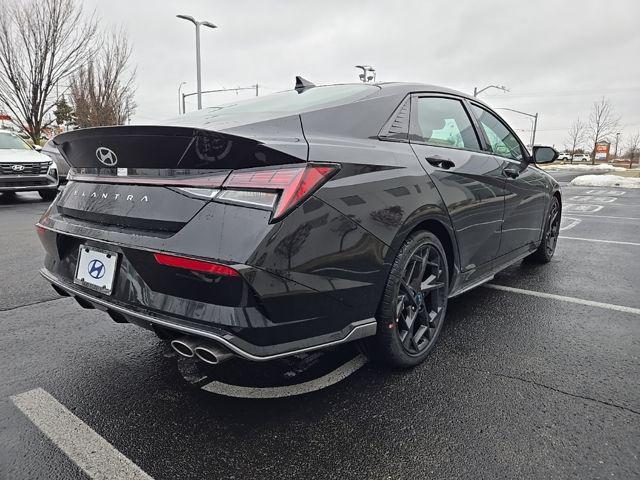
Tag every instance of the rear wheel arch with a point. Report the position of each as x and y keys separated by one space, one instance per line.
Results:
x=437 y=224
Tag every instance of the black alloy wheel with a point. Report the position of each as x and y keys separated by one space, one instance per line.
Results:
x=553 y=229
x=547 y=246
x=414 y=304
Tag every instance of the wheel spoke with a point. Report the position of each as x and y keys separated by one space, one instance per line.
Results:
x=423 y=263
x=411 y=293
x=428 y=284
x=410 y=319
x=419 y=334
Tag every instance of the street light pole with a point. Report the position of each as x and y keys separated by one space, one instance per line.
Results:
x=198 y=73
x=533 y=134
x=535 y=122
x=179 y=97
x=615 y=155
x=477 y=92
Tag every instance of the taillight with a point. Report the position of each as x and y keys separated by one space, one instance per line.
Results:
x=294 y=184
x=195 y=265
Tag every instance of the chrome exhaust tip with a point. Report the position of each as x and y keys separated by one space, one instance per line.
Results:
x=183 y=347
x=212 y=354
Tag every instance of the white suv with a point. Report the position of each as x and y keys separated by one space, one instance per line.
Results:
x=23 y=169
x=581 y=157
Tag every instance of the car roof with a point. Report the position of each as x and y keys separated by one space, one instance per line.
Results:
x=406 y=88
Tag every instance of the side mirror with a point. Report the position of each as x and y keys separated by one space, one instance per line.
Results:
x=544 y=154
x=37 y=148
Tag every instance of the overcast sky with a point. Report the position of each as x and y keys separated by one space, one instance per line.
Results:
x=556 y=57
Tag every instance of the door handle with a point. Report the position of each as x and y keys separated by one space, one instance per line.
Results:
x=440 y=162
x=511 y=172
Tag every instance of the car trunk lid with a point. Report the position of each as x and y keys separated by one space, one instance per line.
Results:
x=159 y=177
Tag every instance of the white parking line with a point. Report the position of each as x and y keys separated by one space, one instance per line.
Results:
x=569 y=223
x=605 y=192
x=605 y=216
x=325 y=381
x=89 y=451
x=552 y=296
x=580 y=207
x=590 y=198
x=599 y=241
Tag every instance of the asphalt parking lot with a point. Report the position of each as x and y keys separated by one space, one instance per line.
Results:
x=535 y=375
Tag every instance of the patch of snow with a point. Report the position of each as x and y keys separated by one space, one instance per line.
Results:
x=606 y=181
x=601 y=167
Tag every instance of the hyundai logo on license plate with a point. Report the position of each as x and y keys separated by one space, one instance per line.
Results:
x=96 y=269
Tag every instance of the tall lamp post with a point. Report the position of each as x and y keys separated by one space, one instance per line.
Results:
x=535 y=122
x=477 y=92
x=180 y=110
x=198 y=25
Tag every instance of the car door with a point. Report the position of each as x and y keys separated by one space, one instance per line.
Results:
x=526 y=192
x=469 y=180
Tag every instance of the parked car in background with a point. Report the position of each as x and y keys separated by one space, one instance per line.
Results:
x=299 y=220
x=565 y=156
x=581 y=157
x=23 y=169
x=51 y=151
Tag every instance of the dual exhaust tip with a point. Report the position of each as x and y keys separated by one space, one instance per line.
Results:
x=210 y=353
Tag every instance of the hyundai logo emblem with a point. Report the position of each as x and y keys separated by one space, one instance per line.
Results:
x=96 y=269
x=17 y=168
x=106 y=156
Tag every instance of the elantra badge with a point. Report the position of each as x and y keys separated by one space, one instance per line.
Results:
x=106 y=156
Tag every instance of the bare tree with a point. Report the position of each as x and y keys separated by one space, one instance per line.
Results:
x=42 y=42
x=576 y=135
x=102 y=90
x=633 y=147
x=602 y=124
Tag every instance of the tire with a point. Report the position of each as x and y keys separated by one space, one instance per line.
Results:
x=547 y=246
x=413 y=306
x=48 y=195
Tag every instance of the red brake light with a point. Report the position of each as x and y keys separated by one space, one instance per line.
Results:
x=196 y=265
x=295 y=183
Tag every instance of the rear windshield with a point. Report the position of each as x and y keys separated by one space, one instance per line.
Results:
x=290 y=101
x=9 y=141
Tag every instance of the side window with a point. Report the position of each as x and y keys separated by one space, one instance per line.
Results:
x=501 y=140
x=444 y=122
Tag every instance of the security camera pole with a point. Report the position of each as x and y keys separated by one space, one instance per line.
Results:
x=365 y=70
x=198 y=24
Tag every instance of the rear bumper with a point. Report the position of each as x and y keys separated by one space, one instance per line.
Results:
x=249 y=351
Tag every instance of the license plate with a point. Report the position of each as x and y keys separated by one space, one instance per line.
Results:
x=96 y=269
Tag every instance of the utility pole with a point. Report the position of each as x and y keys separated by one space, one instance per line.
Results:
x=198 y=73
x=615 y=155
x=477 y=92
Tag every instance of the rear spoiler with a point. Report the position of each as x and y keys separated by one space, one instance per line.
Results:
x=184 y=148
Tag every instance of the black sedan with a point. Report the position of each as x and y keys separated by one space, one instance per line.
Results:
x=299 y=220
